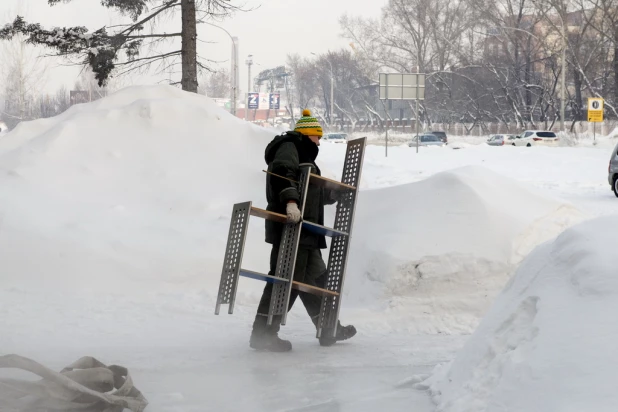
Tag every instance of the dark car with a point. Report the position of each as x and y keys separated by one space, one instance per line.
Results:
x=427 y=139
x=613 y=171
x=441 y=136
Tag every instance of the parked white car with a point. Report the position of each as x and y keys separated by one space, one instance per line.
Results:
x=336 y=137
x=536 y=138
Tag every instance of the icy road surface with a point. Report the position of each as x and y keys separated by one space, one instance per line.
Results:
x=183 y=358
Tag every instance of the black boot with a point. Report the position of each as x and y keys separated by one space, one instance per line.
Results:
x=265 y=337
x=343 y=333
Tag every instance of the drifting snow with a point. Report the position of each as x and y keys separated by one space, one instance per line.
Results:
x=548 y=342
x=137 y=187
x=439 y=250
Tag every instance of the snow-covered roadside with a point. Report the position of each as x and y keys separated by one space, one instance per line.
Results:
x=548 y=342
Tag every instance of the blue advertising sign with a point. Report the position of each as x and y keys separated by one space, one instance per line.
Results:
x=274 y=101
x=253 y=100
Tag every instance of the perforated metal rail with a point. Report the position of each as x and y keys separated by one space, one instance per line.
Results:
x=286 y=261
x=338 y=255
x=233 y=256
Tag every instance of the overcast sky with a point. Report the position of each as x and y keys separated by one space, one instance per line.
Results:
x=275 y=29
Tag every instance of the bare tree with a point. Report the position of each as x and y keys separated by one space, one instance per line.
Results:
x=88 y=82
x=216 y=84
x=302 y=80
x=495 y=60
x=602 y=17
x=411 y=34
x=62 y=100
x=25 y=74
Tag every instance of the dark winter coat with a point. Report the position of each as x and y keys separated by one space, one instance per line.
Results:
x=285 y=156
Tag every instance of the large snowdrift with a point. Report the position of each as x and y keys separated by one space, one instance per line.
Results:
x=549 y=341
x=135 y=188
x=442 y=248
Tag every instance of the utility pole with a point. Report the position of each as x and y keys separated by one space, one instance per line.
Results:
x=235 y=74
x=332 y=96
x=418 y=80
x=234 y=71
x=563 y=78
x=418 y=76
x=249 y=62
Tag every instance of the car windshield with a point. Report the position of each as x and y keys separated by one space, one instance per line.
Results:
x=335 y=136
x=429 y=138
x=439 y=134
x=546 y=134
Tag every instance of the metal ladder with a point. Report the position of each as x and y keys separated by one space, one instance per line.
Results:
x=283 y=279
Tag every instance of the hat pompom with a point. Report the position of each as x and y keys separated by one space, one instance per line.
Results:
x=308 y=125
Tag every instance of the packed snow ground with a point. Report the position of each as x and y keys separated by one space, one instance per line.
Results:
x=113 y=220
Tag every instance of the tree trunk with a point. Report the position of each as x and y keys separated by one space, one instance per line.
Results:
x=189 y=46
x=527 y=80
x=616 y=73
x=577 y=80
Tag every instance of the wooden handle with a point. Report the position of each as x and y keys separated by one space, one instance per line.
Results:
x=282 y=177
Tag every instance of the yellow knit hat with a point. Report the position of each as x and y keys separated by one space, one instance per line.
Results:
x=308 y=125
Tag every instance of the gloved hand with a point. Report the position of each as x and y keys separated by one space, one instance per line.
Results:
x=293 y=213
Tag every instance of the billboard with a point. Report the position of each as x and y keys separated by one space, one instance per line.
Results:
x=402 y=86
x=264 y=101
x=253 y=101
x=274 y=101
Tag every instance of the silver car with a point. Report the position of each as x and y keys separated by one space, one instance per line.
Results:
x=500 y=139
x=427 y=139
x=613 y=171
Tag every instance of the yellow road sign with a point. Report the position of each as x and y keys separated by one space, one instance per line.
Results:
x=595 y=109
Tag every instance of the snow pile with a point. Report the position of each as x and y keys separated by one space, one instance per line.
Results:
x=440 y=249
x=587 y=139
x=136 y=188
x=549 y=341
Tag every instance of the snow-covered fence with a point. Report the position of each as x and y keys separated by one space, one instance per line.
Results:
x=408 y=126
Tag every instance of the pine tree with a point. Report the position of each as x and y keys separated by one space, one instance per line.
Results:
x=117 y=52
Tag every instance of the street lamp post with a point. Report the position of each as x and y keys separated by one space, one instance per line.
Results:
x=562 y=73
x=249 y=62
x=234 y=79
x=332 y=90
x=562 y=84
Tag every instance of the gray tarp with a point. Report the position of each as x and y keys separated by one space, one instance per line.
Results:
x=86 y=385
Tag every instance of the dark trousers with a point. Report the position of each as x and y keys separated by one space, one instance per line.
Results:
x=310 y=269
